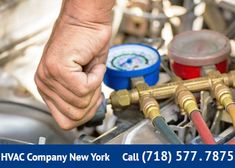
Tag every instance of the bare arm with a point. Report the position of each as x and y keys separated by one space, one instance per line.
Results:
x=73 y=63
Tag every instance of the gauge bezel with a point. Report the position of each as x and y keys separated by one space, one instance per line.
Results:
x=139 y=72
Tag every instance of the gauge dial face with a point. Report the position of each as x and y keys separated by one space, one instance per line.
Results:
x=130 y=57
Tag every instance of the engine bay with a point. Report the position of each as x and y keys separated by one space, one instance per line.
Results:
x=170 y=75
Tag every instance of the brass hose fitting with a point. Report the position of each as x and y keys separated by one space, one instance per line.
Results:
x=150 y=107
x=120 y=98
x=151 y=110
x=186 y=100
x=148 y=104
x=224 y=96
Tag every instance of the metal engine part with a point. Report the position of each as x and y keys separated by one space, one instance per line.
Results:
x=25 y=120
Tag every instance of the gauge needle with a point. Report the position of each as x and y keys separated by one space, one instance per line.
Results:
x=128 y=61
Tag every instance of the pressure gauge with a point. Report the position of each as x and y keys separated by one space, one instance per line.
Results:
x=192 y=51
x=128 y=61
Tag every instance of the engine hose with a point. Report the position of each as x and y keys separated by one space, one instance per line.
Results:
x=202 y=128
x=160 y=124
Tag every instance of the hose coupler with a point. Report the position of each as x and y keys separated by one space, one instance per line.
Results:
x=222 y=94
x=185 y=99
x=150 y=107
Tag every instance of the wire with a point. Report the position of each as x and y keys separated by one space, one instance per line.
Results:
x=202 y=128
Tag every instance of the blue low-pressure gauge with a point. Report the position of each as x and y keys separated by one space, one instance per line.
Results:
x=128 y=61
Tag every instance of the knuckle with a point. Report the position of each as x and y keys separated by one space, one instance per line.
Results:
x=63 y=122
x=40 y=75
x=83 y=90
x=52 y=68
x=36 y=79
x=46 y=75
x=85 y=102
x=38 y=83
x=48 y=62
x=75 y=114
x=80 y=60
x=53 y=71
x=91 y=114
x=66 y=125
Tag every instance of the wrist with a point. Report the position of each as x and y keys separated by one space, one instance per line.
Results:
x=88 y=11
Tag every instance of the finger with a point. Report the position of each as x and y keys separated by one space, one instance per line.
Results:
x=92 y=112
x=63 y=121
x=67 y=109
x=82 y=83
x=96 y=75
x=64 y=93
x=99 y=59
x=77 y=82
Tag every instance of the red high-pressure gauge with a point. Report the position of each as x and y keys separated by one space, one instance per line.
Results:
x=191 y=51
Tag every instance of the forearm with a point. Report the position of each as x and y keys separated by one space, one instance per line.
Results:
x=93 y=11
x=73 y=63
x=78 y=18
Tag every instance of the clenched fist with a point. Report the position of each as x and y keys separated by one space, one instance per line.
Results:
x=71 y=69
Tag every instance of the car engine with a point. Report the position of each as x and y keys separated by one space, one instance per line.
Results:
x=170 y=75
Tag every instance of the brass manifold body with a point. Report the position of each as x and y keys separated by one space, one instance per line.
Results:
x=124 y=98
x=218 y=84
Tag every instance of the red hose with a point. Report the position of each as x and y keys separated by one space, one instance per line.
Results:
x=232 y=142
x=202 y=128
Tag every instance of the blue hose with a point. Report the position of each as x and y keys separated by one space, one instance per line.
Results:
x=160 y=124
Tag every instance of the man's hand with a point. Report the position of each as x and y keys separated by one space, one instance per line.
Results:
x=73 y=64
